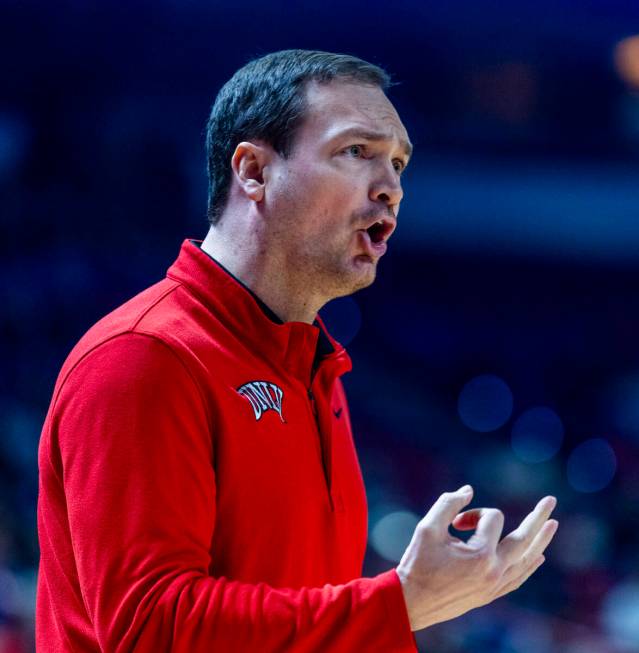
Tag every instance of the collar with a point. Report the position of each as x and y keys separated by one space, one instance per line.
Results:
x=296 y=348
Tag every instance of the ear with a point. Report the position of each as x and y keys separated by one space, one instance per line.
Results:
x=248 y=162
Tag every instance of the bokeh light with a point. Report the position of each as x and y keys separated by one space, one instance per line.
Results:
x=343 y=319
x=581 y=542
x=485 y=403
x=626 y=56
x=622 y=405
x=526 y=636
x=15 y=137
x=620 y=614
x=517 y=481
x=591 y=465
x=392 y=534
x=585 y=643
x=537 y=434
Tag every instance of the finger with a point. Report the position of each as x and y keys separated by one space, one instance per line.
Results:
x=542 y=539
x=534 y=552
x=447 y=506
x=515 y=543
x=519 y=579
x=488 y=529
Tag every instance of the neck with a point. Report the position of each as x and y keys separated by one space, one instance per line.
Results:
x=247 y=255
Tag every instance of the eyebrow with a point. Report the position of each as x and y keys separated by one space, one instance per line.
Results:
x=356 y=132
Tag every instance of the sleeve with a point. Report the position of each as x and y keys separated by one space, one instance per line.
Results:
x=138 y=474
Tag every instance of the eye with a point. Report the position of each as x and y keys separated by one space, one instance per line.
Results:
x=398 y=164
x=355 y=150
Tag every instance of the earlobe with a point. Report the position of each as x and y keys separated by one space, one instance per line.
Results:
x=248 y=164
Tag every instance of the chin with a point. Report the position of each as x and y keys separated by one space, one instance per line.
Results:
x=365 y=273
x=348 y=279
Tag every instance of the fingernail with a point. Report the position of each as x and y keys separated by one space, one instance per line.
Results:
x=466 y=489
x=551 y=500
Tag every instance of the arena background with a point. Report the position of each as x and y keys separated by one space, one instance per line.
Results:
x=499 y=345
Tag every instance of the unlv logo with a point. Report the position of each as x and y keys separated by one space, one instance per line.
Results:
x=263 y=396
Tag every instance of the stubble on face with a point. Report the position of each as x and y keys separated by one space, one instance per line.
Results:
x=320 y=200
x=321 y=255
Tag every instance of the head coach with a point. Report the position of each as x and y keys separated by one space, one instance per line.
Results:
x=199 y=486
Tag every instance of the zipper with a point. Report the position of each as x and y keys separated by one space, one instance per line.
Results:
x=311 y=398
x=323 y=452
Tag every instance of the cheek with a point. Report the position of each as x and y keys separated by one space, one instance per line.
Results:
x=327 y=179
x=320 y=201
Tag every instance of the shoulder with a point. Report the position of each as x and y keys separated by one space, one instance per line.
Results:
x=127 y=349
x=125 y=361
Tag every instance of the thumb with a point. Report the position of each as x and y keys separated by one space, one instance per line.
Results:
x=448 y=506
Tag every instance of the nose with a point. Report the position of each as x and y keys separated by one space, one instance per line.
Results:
x=387 y=188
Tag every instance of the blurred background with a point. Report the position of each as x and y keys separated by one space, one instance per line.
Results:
x=499 y=346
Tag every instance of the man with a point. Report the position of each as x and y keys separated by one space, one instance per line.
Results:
x=199 y=487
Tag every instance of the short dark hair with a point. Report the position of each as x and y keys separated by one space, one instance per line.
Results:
x=265 y=99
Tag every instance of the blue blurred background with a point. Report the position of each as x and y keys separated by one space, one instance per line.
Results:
x=498 y=346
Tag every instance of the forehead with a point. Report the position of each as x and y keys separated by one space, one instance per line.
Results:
x=338 y=106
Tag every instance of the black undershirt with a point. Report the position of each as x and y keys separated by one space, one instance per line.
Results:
x=324 y=346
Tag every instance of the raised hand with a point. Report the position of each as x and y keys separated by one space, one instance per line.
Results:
x=443 y=577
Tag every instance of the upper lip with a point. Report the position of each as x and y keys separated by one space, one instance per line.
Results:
x=387 y=226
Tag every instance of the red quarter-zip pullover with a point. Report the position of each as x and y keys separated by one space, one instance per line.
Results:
x=199 y=486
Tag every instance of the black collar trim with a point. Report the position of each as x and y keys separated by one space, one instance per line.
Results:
x=324 y=346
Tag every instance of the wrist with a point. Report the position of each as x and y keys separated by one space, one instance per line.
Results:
x=409 y=600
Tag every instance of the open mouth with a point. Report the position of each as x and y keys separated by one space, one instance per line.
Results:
x=373 y=242
x=374 y=237
x=377 y=232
